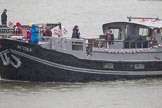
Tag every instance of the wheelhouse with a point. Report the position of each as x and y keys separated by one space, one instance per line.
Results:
x=139 y=33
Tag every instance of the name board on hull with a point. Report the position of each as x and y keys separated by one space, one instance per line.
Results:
x=23 y=48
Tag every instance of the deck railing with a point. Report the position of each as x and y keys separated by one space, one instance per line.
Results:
x=100 y=43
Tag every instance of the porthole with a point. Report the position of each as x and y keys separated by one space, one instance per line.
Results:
x=108 y=65
x=139 y=66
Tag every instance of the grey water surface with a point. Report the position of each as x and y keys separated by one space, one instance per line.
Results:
x=112 y=94
x=89 y=15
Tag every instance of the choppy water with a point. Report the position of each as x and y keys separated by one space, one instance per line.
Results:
x=89 y=15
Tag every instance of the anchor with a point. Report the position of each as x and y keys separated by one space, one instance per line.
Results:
x=5 y=59
x=13 y=60
x=16 y=63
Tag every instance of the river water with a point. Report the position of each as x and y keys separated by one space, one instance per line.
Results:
x=113 y=94
x=89 y=15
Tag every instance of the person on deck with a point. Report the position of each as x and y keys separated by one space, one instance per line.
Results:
x=4 y=17
x=109 y=38
x=28 y=35
x=34 y=34
x=47 y=32
x=76 y=33
x=18 y=29
x=112 y=37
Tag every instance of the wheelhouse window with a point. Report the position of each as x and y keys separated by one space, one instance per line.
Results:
x=77 y=45
x=144 y=32
x=117 y=32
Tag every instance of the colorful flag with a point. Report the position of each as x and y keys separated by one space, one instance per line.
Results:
x=10 y=24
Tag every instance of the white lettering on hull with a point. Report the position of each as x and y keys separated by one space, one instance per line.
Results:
x=27 y=49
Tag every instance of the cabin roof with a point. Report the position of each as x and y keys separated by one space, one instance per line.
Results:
x=147 y=23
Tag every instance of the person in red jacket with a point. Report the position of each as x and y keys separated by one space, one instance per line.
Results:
x=18 y=29
x=47 y=32
x=28 y=35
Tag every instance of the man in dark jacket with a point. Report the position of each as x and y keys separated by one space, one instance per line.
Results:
x=4 y=17
x=109 y=38
x=76 y=33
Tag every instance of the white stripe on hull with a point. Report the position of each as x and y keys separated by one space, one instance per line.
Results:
x=5 y=51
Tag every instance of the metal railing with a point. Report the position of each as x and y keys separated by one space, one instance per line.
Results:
x=100 y=43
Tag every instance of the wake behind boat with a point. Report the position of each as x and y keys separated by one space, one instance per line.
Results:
x=135 y=52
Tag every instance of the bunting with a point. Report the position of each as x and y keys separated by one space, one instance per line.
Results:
x=128 y=51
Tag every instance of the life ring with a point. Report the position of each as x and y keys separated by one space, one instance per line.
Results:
x=153 y=38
